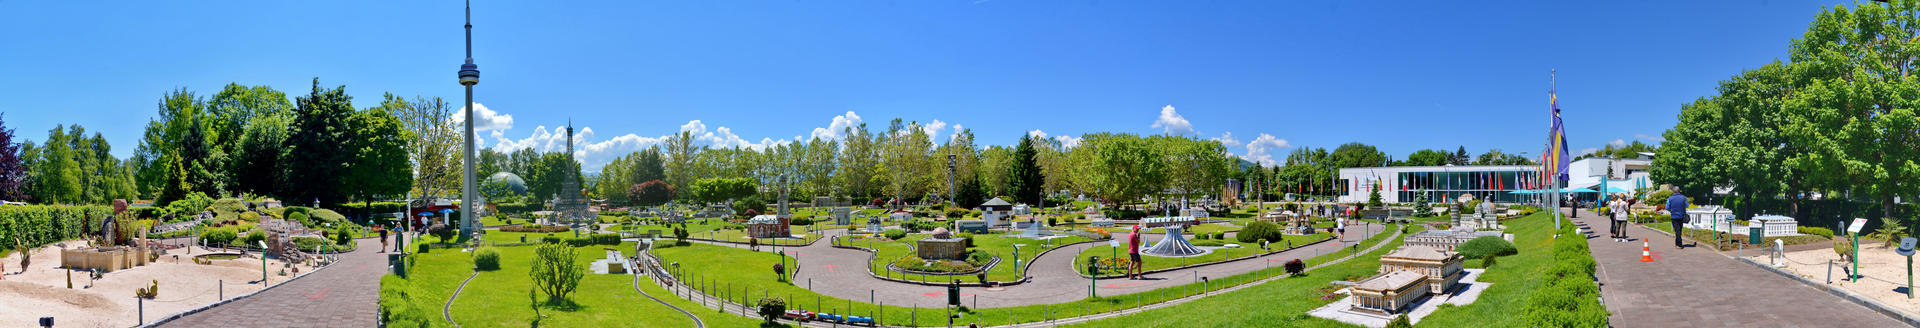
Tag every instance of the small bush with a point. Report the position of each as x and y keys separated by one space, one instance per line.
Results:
x=341 y=237
x=552 y=239
x=255 y=236
x=1489 y=260
x=1295 y=266
x=1203 y=236
x=1483 y=246
x=421 y=248
x=953 y=213
x=486 y=258
x=1220 y=235
x=219 y=236
x=1817 y=231
x=1400 y=322
x=1259 y=230
x=896 y=234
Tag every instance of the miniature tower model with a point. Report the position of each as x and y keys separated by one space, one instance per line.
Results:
x=1174 y=244
x=469 y=76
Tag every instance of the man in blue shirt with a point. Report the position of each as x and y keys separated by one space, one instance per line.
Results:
x=1677 y=204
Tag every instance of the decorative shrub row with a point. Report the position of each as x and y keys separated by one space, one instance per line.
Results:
x=536 y=228
x=38 y=225
x=1569 y=298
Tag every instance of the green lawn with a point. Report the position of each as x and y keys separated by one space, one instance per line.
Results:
x=737 y=267
x=500 y=298
x=1285 y=302
x=1219 y=254
x=998 y=245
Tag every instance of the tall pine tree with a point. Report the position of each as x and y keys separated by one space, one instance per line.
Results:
x=1024 y=177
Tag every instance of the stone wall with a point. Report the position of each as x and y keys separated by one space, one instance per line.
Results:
x=942 y=249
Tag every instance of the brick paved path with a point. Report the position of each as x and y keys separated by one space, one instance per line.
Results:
x=1697 y=287
x=344 y=295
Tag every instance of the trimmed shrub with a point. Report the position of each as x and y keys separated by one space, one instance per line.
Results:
x=421 y=248
x=1486 y=245
x=536 y=228
x=255 y=236
x=1295 y=266
x=1220 y=235
x=1259 y=230
x=341 y=237
x=551 y=239
x=953 y=213
x=486 y=259
x=1489 y=260
x=1817 y=231
x=219 y=236
x=896 y=234
x=606 y=239
x=1203 y=236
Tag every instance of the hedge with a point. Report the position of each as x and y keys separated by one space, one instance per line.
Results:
x=1486 y=245
x=404 y=305
x=1569 y=298
x=486 y=259
x=39 y=225
x=537 y=228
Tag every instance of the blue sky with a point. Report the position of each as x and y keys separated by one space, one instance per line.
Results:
x=1263 y=76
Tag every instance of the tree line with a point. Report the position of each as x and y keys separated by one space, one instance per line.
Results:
x=1834 y=121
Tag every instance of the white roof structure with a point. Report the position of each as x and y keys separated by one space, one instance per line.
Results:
x=1166 y=219
x=764 y=219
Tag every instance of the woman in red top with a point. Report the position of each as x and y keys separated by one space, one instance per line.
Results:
x=1133 y=250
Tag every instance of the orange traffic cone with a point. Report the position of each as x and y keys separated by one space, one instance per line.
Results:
x=1646 y=252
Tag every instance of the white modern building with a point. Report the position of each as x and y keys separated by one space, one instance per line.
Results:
x=1400 y=184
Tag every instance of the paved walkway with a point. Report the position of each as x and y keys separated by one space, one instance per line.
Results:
x=1697 y=287
x=842 y=273
x=343 y=295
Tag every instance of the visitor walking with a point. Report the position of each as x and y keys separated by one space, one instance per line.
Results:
x=1133 y=250
x=383 y=237
x=1340 y=225
x=1620 y=216
x=1677 y=205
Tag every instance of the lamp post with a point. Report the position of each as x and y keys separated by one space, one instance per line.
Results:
x=469 y=76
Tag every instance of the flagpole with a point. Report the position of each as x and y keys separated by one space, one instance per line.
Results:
x=1553 y=85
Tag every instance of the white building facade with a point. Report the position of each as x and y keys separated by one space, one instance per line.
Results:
x=1400 y=184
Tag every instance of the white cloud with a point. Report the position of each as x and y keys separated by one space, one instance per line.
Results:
x=1649 y=138
x=1261 y=150
x=839 y=124
x=486 y=118
x=933 y=130
x=1587 y=151
x=1068 y=141
x=1227 y=139
x=1036 y=133
x=1618 y=143
x=1172 y=122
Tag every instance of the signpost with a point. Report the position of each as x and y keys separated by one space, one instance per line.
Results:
x=1906 y=249
x=1854 y=230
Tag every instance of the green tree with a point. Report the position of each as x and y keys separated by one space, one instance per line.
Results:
x=1427 y=157
x=257 y=167
x=55 y=174
x=1118 y=168
x=318 y=147
x=972 y=192
x=1024 y=179
x=380 y=165
x=435 y=144
x=1354 y=154
x=651 y=193
x=555 y=272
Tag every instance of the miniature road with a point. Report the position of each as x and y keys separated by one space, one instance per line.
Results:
x=842 y=273
x=343 y=295
x=1697 y=287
